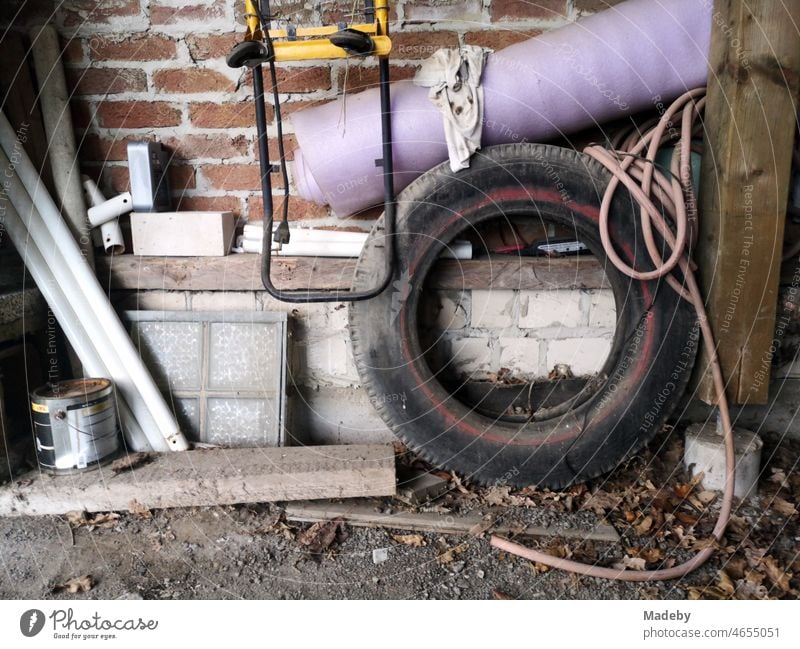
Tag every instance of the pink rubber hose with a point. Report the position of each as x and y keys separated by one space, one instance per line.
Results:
x=633 y=165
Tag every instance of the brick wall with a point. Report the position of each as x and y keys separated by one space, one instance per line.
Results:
x=155 y=69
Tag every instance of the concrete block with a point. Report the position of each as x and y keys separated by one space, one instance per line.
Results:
x=585 y=356
x=520 y=355
x=453 y=310
x=492 y=309
x=223 y=301
x=157 y=301
x=704 y=453
x=560 y=307
x=471 y=355
x=331 y=415
x=182 y=234
x=602 y=309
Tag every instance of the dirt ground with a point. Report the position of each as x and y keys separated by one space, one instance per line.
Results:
x=250 y=551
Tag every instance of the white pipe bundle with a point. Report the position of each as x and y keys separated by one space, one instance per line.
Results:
x=71 y=289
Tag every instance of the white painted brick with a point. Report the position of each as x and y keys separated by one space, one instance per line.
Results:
x=325 y=360
x=224 y=301
x=471 y=355
x=583 y=355
x=492 y=309
x=602 y=309
x=560 y=307
x=520 y=355
x=157 y=301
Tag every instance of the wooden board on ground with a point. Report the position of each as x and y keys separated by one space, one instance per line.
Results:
x=362 y=513
x=243 y=273
x=210 y=477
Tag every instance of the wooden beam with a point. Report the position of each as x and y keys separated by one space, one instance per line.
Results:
x=242 y=273
x=360 y=513
x=750 y=120
x=210 y=477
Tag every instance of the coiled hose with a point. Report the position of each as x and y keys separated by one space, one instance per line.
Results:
x=631 y=161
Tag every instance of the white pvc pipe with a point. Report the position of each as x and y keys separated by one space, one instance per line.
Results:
x=107 y=219
x=57 y=118
x=63 y=311
x=86 y=286
x=113 y=241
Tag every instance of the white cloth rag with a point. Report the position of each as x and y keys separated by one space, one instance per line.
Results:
x=454 y=79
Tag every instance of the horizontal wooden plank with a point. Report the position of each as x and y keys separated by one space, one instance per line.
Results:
x=243 y=273
x=210 y=477
x=362 y=514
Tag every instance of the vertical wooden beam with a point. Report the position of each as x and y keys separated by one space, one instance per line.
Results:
x=750 y=122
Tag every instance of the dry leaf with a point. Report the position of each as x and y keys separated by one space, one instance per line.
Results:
x=630 y=563
x=499 y=594
x=706 y=497
x=320 y=536
x=130 y=461
x=451 y=553
x=82 y=584
x=723 y=589
x=601 y=501
x=483 y=525
x=682 y=490
x=776 y=574
x=645 y=525
x=137 y=508
x=412 y=540
x=783 y=507
x=82 y=519
x=76 y=518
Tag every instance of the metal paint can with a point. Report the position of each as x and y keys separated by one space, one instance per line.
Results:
x=74 y=424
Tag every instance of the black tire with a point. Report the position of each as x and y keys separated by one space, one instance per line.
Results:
x=641 y=382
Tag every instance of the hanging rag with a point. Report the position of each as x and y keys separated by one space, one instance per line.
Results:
x=454 y=79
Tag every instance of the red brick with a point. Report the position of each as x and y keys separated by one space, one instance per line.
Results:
x=236 y=177
x=203 y=47
x=188 y=13
x=300 y=13
x=299 y=209
x=528 y=9
x=192 y=80
x=193 y=146
x=106 y=81
x=120 y=179
x=289 y=107
x=136 y=47
x=289 y=146
x=421 y=45
x=208 y=203
x=299 y=79
x=99 y=149
x=137 y=114
x=210 y=115
x=72 y=50
x=181 y=177
x=435 y=11
x=82 y=113
x=80 y=12
x=336 y=11
x=360 y=78
x=593 y=6
x=497 y=39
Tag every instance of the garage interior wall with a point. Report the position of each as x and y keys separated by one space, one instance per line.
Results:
x=155 y=70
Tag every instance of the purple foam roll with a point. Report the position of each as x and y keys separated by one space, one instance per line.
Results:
x=636 y=55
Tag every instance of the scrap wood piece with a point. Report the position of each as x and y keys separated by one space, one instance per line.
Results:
x=361 y=513
x=210 y=477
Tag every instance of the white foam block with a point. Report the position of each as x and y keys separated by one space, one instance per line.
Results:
x=182 y=234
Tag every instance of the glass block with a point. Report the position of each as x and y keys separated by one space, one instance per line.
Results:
x=240 y=422
x=173 y=351
x=243 y=356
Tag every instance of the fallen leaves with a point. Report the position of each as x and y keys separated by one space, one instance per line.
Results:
x=321 y=536
x=130 y=462
x=630 y=563
x=411 y=540
x=722 y=589
x=82 y=519
x=780 y=505
x=138 y=509
x=82 y=584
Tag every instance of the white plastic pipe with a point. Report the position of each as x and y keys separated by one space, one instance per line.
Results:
x=63 y=311
x=100 y=215
x=57 y=118
x=73 y=269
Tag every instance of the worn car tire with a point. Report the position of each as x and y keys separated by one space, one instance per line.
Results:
x=643 y=378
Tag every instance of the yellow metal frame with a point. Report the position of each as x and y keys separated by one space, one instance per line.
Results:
x=320 y=48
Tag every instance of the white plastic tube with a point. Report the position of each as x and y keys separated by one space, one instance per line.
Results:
x=74 y=271
x=107 y=219
x=113 y=241
x=57 y=118
x=63 y=311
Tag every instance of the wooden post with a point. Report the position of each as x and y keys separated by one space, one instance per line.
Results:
x=750 y=122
